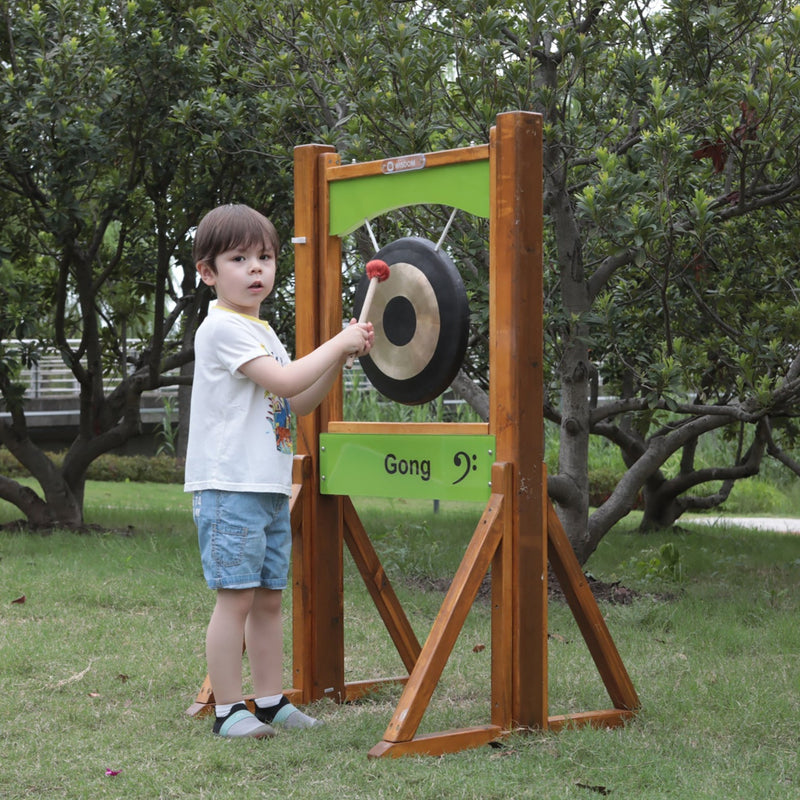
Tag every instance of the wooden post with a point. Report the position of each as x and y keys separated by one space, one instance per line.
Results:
x=515 y=391
x=319 y=653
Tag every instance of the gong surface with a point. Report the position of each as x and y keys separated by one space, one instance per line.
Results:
x=421 y=318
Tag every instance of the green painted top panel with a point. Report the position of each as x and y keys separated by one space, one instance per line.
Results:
x=464 y=186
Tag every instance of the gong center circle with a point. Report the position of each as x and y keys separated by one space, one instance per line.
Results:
x=399 y=321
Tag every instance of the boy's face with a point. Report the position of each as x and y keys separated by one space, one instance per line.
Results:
x=243 y=279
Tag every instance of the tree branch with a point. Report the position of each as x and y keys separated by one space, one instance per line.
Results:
x=608 y=266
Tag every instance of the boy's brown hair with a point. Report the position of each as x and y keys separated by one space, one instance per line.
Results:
x=231 y=226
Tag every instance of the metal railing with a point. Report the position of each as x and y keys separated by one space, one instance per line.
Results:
x=51 y=378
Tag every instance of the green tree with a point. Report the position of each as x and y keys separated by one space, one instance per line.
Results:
x=671 y=186
x=121 y=126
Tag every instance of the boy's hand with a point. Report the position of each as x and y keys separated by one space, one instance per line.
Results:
x=358 y=338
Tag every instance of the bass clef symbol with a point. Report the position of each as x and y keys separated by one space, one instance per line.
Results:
x=466 y=462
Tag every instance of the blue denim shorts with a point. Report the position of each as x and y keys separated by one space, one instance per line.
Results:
x=245 y=538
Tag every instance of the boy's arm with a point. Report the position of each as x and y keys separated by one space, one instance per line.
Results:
x=294 y=379
x=307 y=401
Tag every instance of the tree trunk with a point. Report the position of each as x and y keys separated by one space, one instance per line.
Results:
x=575 y=372
x=660 y=510
x=59 y=509
x=573 y=454
x=467 y=390
x=184 y=409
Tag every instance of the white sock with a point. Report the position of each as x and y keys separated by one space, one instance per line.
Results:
x=223 y=709
x=268 y=701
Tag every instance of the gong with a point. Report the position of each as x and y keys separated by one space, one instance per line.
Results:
x=421 y=318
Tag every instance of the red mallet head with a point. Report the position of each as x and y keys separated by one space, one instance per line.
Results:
x=377 y=272
x=377 y=269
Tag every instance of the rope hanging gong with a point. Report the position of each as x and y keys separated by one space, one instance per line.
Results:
x=421 y=318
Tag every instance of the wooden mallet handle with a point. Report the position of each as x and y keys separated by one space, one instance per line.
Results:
x=377 y=271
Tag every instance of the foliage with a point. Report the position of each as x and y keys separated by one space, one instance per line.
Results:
x=121 y=126
x=663 y=563
x=162 y=468
x=754 y=496
x=167 y=432
x=363 y=402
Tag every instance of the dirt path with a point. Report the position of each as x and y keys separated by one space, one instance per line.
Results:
x=777 y=524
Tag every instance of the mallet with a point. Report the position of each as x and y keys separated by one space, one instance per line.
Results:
x=377 y=271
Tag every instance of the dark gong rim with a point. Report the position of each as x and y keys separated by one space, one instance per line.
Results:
x=451 y=297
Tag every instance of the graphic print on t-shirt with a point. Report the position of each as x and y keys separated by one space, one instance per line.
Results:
x=281 y=424
x=279 y=413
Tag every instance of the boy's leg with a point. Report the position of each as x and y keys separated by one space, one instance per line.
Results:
x=264 y=636
x=224 y=655
x=264 y=641
x=224 y=639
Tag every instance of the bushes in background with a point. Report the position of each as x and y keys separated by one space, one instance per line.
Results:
x=109 y=467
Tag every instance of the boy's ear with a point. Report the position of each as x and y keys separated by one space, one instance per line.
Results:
x=207 y=275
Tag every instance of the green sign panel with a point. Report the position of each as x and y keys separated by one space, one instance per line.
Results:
x=433 y=466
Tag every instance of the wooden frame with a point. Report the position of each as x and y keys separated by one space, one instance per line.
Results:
x=519 y=531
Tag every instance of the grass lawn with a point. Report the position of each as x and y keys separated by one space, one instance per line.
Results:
x=100 y=661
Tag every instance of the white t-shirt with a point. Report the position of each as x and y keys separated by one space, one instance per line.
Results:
x=239 y=433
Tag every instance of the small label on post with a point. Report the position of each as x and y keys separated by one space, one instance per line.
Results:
x=403 y=163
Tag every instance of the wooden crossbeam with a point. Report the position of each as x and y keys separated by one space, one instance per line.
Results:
x=379 y=587
x=588 y=616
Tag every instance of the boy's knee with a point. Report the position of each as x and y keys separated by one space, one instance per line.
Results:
x=268 y=601
x=236 y=602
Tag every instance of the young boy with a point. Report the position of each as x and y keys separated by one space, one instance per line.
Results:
x=239 y=462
